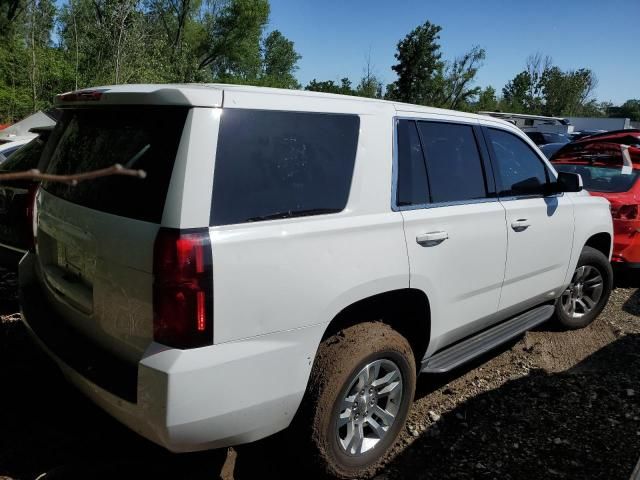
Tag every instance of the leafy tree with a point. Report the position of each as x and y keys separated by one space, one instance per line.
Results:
x=232 y=50
x=629 y=109
x=370 y=85
x=566 y=93
x=516 y=93
x=419 y=68
x=279 y=61
x=487 y=101
x=329 y=86
x=543 y=88
x=459 y=75
x=426 y=79
x=10 y=13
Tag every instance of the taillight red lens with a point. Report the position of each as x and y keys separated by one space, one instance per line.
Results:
x=625 y=212
x=183 y=288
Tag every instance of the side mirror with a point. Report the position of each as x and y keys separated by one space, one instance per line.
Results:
x=569 y=182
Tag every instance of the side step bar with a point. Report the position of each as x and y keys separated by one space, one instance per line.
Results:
x=468 y=349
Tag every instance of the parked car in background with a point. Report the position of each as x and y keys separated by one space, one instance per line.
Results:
x=549 y=149
x=543 y=138
x=609 y=164
x=7 y=148
x=295 y=252
x=584 y=133
x=16 y=200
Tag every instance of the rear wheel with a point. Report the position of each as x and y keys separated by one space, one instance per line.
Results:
x=362 y=386
x=588 y=292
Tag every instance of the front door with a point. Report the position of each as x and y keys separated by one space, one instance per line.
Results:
x=540 y=227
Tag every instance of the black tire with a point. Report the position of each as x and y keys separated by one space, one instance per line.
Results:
x=594 y=259
x=339 y=360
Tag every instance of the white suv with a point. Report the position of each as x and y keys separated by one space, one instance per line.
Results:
x=292 y=252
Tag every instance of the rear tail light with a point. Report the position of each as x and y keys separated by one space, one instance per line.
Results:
x=624 y=212
x=183 y=288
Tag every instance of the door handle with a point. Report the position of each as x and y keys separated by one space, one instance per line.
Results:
x=432 y=239
x=520 y=225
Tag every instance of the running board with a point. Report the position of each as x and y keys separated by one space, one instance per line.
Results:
x=472 y=347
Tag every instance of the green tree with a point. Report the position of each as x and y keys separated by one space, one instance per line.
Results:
x=629 y=109
x=232 y=50
x=279 y=62
x=566 y=93
x=487 y=101
x=329 y=86
x=10 y=13
x=420 y=67
x=459 y=76
x=370 y=85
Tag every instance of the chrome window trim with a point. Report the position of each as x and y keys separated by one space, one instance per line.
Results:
x=394 y=170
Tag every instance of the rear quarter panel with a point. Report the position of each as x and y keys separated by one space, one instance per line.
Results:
x=286 y=274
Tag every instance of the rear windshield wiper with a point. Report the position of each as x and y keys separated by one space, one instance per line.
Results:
x=294 y=213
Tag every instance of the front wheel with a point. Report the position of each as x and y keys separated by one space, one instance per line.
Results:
x=362 y=386
x=589 y=290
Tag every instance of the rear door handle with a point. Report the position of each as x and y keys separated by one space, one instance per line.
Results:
x=520 y=225
x=431 y=239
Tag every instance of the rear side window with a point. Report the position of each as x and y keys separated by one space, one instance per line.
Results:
x=272 y=164
x=519 y=169
x=144 y=138
x=454 y=165
x=24 y=158
x=412 y=172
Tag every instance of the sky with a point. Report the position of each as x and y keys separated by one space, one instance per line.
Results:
x=335 y=37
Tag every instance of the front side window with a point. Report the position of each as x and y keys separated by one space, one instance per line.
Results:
x=519 y=170
x=454 y=165
x=272 y=164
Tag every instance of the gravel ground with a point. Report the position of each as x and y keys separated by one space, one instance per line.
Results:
x=551 y=405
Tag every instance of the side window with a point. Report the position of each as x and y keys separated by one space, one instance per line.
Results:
x=413 y=188
x=454 y=165
x=520 y=171
x=273 y=164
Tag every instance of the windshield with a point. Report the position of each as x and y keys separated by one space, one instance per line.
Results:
x=137 y=137
x=602 y=179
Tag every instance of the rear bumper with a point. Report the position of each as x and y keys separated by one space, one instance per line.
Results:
x=203 y=398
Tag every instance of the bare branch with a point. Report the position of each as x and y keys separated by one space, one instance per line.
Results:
x=73 y=179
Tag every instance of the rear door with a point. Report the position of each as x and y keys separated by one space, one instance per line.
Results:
x=455 y=227
x=540 y=227
x=95 y=240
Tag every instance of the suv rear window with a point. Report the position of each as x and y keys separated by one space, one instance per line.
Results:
x=272 y=164
x=144 y=138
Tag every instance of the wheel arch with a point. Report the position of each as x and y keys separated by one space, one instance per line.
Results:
x=602 y=242
x=406 y=310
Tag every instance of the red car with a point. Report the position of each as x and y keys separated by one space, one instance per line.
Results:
x=609 y=164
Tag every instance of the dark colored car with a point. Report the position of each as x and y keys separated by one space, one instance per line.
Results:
x=16 y=201
x=542 y=138
x=549 y=149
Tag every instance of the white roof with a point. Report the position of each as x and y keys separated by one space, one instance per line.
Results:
x=217 y=94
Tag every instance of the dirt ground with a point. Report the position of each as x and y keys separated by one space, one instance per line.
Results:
x=551 y=405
